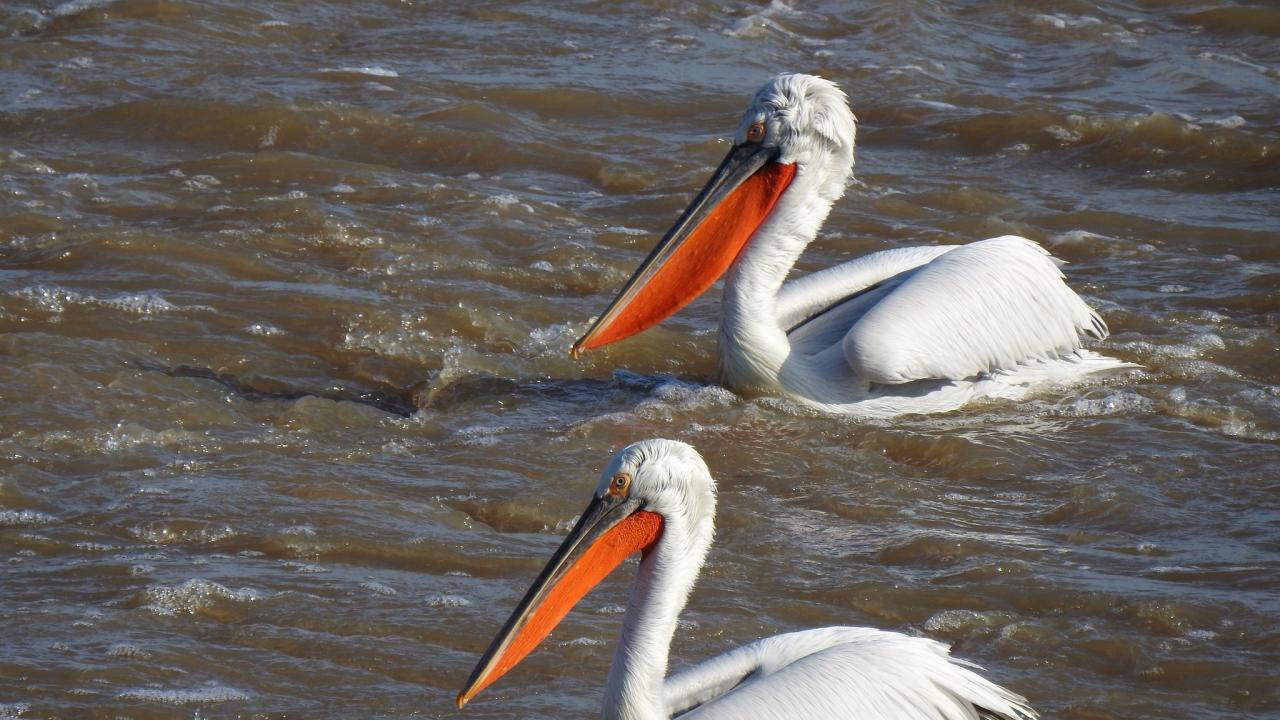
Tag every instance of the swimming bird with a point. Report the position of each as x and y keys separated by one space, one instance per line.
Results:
x=917 y=329
x=658 y=498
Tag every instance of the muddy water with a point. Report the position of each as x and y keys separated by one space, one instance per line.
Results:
x=288 y=423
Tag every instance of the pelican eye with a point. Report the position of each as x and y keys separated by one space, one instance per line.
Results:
x=620 y=484
x=755 y=133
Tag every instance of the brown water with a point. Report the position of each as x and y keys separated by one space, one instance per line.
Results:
x=287 y=417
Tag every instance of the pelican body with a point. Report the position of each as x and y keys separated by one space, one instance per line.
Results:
x=657 y=498
x=921 y=329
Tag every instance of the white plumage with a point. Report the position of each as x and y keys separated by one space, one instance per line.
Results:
x=977 y=309
x=839 y=673
x=835 y=672
x=907 y=330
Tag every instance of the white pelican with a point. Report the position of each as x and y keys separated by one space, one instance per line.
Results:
x=657 y=497
x=921 y=329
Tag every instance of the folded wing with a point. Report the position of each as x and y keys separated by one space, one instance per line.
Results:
x=840 y=672
x=980 y=308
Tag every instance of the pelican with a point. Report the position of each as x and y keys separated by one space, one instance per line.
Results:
x=920 y=329
x=657 y=498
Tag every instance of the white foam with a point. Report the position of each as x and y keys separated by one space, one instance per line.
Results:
x=1072 y=237
x=758 y=25
x=165 y=532
x=14 y=518
x=446 y=601
x=192 y=596
x=507 y=201
x=8 y=711
x=1228 y=416
x=127 y=650
x=936 y=104
x=398 y=447
x=1063 y=134
x=689 y=396
x=44 y=297
x=1195 y=347
x=959 y=620
x=582 y=642
x=624 y=230
x=553 y=341
x=405 y=339
x=126 y=436
x=374 y=586
x=210 y=693
x=1059 y=21
x=264 y=329
x=201 y=182
x=1237 y=61
x=1052 y=21
x=73 y=7
x=1171 y=569
x=1231 y=121
x=54 y=299
x=904 y=69
x=374 y=70
x=482 y=435
x=141 y=303
x=1126 y=402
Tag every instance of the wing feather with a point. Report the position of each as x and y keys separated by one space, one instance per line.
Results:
x=983 y=307
x=801 y=299
x=841 y=672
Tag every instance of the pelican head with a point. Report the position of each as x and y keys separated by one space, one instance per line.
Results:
x=798 y=129
x=649 y=490
x=804 y=117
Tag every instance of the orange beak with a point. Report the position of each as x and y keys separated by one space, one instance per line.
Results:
x=611 y=529
x=701 y=246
